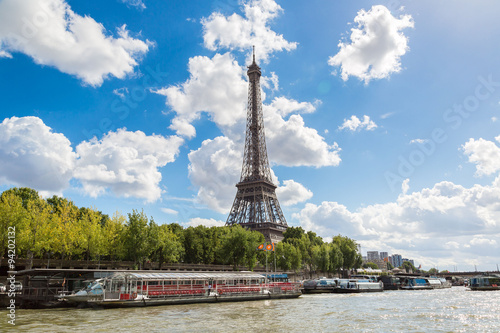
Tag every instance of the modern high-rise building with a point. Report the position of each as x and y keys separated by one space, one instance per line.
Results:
x=397 y=260
x=372 y=255
x=383 y=255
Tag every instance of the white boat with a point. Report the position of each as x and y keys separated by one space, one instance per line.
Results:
x=435 y=283
x=358 y=286
x=415 y=283
x=124 y=289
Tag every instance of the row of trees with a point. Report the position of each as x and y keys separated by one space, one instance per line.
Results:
x=57 y=228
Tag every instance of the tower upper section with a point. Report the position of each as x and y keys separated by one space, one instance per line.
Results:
x=255 y=161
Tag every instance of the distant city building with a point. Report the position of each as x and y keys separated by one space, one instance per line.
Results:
x=397 y=260
x=382 y=258
x=372 y=255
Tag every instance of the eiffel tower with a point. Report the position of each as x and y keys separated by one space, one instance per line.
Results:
x=256 y=206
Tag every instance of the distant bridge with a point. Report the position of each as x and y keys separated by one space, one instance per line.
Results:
x=466 y=274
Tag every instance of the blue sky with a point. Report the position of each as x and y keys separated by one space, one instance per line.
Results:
x=382 y=118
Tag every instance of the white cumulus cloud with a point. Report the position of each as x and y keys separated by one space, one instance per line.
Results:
x=215 y=169
x=196 y=221
x=32 y=155
x=169 y=211
x=405 y=186
x=355 y=124
x=284 y=106
x=430 y=223
x=376 y=45
x=52 y=34
x=237 y=32
x=291 y=143
x=485 y=154
x=126 y=163
x=292 y=193
x=215 y=86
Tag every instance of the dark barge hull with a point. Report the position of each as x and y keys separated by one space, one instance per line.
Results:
x=485 y=288
x=318 y=291
x=190 y=300
x=356 y=291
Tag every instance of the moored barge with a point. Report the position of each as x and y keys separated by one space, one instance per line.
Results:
x=491 y=282
x=357 y=284
x=129 y=289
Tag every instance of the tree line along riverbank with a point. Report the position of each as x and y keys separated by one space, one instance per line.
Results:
x=56 y=228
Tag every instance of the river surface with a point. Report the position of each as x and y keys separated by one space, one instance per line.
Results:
x=455 y=309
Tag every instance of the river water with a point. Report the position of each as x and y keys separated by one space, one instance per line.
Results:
x=455 y=309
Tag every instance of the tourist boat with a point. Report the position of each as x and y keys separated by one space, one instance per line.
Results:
x=415 y=283
x=358 y=286
x=485 y=282
x=435 y=283
x=317 y=286
x=438 y=283
x=124 y=289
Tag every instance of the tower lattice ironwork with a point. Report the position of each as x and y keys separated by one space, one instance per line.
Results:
x=256 y=205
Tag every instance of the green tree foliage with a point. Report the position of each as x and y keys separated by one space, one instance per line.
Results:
x=23 y=193
x=35 y=235
x=408 y=267
x=91 y=236
x=321 y=257
x=136 y=237
x=336 y=257
x=193 y=245
x=113 y=233
x=239 y=246
x=350 y=253
x=68 y=234
x=288 y=256
x=371 y=265
x=163 y=244
x=293 y=233
x=12 y=214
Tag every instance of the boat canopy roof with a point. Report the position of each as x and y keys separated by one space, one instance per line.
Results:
x=189 y=276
